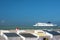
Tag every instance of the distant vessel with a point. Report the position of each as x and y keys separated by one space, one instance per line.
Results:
x=44 y=24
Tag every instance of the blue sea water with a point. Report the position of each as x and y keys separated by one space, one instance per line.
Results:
x=29 y=27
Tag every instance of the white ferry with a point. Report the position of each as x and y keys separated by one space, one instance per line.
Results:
x=44 y=24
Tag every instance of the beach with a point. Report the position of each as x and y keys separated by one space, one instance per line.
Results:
x=2 y=38
x=12 y=31
x=15 y=31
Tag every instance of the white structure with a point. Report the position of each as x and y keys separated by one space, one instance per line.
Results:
x=53 y=35
x=20 y=31
x=11 y=36
x=44 y=24
x=38 y=31
x=28 y=36
x=41 y=35
x=4 y=31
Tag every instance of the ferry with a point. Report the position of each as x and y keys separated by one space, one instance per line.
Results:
x=44 y=24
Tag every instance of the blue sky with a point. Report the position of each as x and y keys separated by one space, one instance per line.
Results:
x=29 y=11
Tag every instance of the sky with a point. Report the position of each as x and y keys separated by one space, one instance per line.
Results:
x=29 y=11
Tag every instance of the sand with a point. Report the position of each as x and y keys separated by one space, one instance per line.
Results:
x=12 y=31
x=2 y=38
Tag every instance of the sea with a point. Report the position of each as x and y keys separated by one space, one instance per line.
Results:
x=28 y=27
